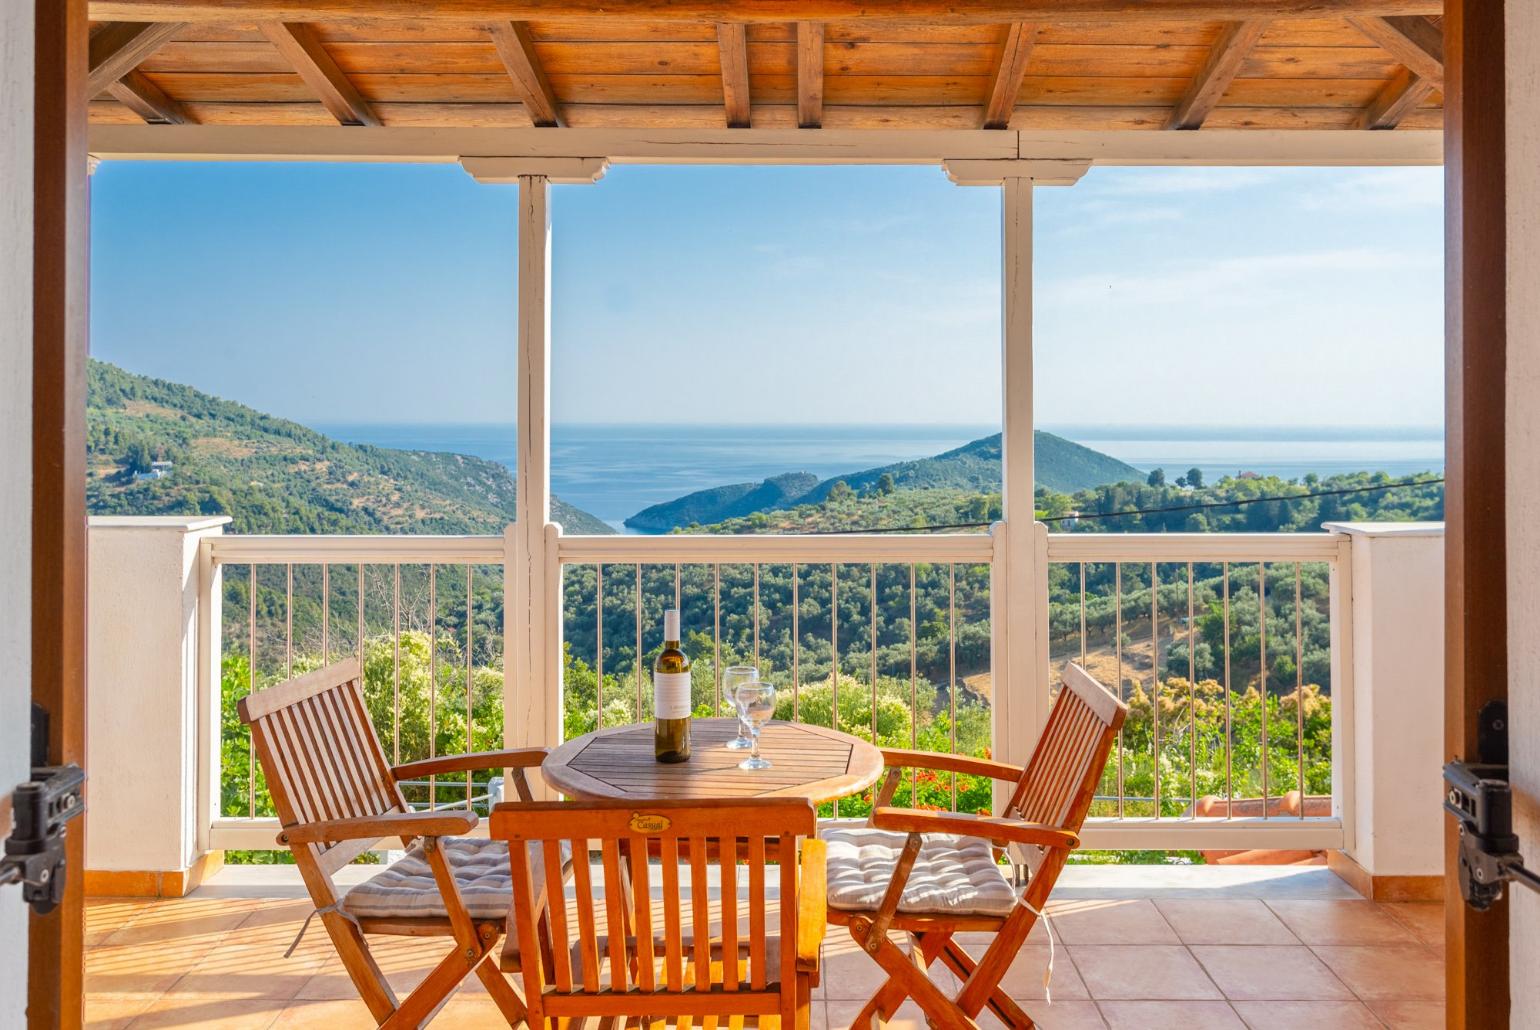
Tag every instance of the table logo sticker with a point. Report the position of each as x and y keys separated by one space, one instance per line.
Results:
x=648 y=822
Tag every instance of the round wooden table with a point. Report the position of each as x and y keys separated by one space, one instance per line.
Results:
x=806 y=761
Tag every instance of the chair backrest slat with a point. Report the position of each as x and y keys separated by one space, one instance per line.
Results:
x=758 y=966
x=695 y=961
x=1060 y=779
x=320 y=753
x=641 y=887
x=700 y=909
x=673 y=932
x=729 y=873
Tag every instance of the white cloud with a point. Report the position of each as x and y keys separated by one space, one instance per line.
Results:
x=1242 y=280
x=1160 y=182
x=1378 y=189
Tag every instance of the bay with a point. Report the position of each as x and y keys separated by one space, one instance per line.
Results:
x=616 y=470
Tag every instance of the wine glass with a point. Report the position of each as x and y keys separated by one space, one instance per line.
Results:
x=733 y=677
x=756 y=704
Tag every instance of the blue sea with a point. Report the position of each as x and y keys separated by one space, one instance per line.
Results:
x=615 y=471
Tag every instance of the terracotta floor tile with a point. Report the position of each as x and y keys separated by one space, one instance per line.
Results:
x=1145 y=971
x=139 y=969
x=113 y=1011
x=1228 y=921
x=325 y=1015
x=1135 y=921
x=1170 y=1015
x=470 y=1012
x=1061 y=1015
x=1270 y=972
x=192 y=1011
x=851 y=975
x=105 y=916
x=840 y=1013
x=1407 y=971
x=184 y=919
x=1023 y=981
x=1307 y=1015
x=1341 y=922
x=1409 y=1015
x=1423 y=918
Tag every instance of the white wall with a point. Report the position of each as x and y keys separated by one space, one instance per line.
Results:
x=1398 y=696
x=1523 y=473
x=143 y=741
x=16 y=56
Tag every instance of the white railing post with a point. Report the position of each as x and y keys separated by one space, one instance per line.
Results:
x=1344 y=766
x=210 y=658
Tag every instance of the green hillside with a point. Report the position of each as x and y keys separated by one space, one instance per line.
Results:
x=1062 y=465
x=276 y=476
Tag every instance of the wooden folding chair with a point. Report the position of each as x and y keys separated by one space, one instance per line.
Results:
x=613 y=961
x=934 y=874
x=336 y=796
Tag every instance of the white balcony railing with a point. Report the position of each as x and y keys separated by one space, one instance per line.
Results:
x=909 y=621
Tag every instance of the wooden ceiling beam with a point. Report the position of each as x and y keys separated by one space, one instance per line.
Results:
x=120 y=47
x=1224 y=62
x=298 y=43
x=948 y=12
x=516 y=47
x=1020 y=38
x=1415 y=42
x=809 y=74
x=1400 y=97
x=136 y=92
x=733 y=41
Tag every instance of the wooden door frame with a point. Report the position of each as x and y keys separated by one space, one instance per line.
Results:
x=61 y=239
x=1476 y=563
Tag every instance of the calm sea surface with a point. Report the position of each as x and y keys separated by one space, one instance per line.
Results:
x=615 y=471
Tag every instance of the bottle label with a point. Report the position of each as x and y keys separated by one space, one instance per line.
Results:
x=671 y=695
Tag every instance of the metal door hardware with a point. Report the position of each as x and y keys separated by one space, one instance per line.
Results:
x=41 y=808
x=34 y=852
x=1481 y=800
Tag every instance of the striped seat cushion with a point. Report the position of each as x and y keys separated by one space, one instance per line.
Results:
x=406 y=888
x=953 y=876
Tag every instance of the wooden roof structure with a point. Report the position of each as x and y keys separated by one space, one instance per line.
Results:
x=1026 y=65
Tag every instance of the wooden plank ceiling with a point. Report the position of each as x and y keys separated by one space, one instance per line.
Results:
x=1369 y=65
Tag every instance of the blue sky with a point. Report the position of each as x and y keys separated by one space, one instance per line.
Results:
x=370 y=293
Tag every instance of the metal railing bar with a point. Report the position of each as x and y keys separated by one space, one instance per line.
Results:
x=1262 y=670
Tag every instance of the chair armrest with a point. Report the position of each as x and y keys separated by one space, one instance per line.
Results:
x=993 y=828
x=895 y=758
x=516 y=758
x=373 y=827
x=812 y=903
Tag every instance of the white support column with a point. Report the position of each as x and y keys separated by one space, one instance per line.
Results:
x=531 y=691
x=532 y=602
x=1016 y=716
x=1019 y=573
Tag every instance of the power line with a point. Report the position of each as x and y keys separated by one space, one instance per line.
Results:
x=1204 y=506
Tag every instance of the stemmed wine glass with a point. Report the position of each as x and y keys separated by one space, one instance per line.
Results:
x=733 y=677
x=756 y=704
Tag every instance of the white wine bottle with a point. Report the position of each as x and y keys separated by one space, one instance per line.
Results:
x=671 y=696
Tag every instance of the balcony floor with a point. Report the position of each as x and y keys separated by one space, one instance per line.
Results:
x=1145 y=947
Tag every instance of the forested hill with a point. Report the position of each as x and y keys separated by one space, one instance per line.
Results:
x=1062 y=465
x=275 y=476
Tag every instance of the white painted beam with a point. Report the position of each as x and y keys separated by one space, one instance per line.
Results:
x=766 y=146
x=571 y=171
